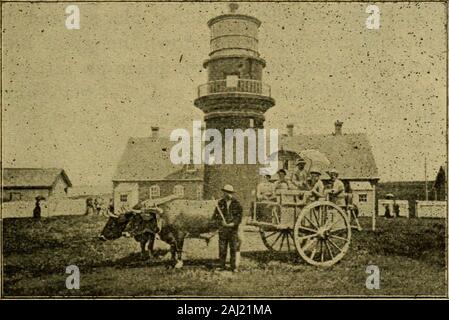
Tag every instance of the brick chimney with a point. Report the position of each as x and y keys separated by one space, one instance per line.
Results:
x=290 y=128
x=155 y=132
x=338 y=126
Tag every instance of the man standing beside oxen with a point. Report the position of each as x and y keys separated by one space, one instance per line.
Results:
x=228 y=214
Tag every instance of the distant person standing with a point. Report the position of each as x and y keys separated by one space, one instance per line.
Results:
x=387 y=210
x=396 y=209
x=98 y=204
x=111 y=205
x=89 y=206
x=37 y=208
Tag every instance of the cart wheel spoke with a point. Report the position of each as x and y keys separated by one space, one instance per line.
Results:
x=310 y=221
x=337 y=230
x=288 y=241
x=321 y=215
x=316 y=218
x=308 y=236
x=307 y=229
x=322 y=251
x=309 y=244
x=282 y=241
x=333 y=243
x=277 y=239
x=337 y=237
x=329 y=250
x=271 y=234
x=313 y=254
x=277 y=243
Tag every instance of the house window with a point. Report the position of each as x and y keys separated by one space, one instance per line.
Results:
x=199 y=192
x=15 y=196
x=155 y=192
x=232 y=81
x=363 y=197
x=179 y=191
x=123 y=198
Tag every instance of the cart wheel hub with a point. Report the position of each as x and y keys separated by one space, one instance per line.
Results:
x=323 y=233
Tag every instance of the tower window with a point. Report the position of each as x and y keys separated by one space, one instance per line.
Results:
x=232 y=81
x=251 y=123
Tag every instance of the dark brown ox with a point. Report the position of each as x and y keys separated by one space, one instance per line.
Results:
x=173 y=222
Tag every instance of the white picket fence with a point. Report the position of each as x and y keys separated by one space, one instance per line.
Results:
x=49 y=208
x=431 y=209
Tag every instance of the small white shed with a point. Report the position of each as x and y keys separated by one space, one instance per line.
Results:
x=363 y=197
x=431 y=209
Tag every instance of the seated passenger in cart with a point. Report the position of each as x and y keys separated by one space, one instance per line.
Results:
x=301 y=177
x=265 y=189
x=282 y=183
x=265 y=196
x=317 y=190
x=337 y=193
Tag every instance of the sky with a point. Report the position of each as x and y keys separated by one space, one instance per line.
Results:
x=72 y=98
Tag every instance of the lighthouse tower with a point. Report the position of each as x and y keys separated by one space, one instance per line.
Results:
x=234 y=96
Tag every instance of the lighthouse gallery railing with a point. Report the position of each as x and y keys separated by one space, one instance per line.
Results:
x=247 y=86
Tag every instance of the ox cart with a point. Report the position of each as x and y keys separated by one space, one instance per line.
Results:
x=319 y=231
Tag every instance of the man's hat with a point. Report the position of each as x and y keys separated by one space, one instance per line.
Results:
x=333 y=171
x=300 y=161
x=228 y=188
x=315 y=170
x=282 y=171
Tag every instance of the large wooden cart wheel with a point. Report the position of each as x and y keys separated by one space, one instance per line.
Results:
x=322 y=233
x=277 y=237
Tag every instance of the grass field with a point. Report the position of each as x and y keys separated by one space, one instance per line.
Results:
x=410 y=254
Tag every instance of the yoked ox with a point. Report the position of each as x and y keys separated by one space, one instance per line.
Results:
x=190 y=150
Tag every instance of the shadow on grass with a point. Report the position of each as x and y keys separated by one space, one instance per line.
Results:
x=161 y=258
x=265 y=256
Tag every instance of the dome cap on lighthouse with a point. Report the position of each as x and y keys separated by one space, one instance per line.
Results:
x=233 y=8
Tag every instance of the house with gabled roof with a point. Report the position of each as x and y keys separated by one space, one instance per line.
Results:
x=146 y=172
x=28 y=183
x=349 y=153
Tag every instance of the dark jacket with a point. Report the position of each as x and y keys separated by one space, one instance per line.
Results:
x=234 y=214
